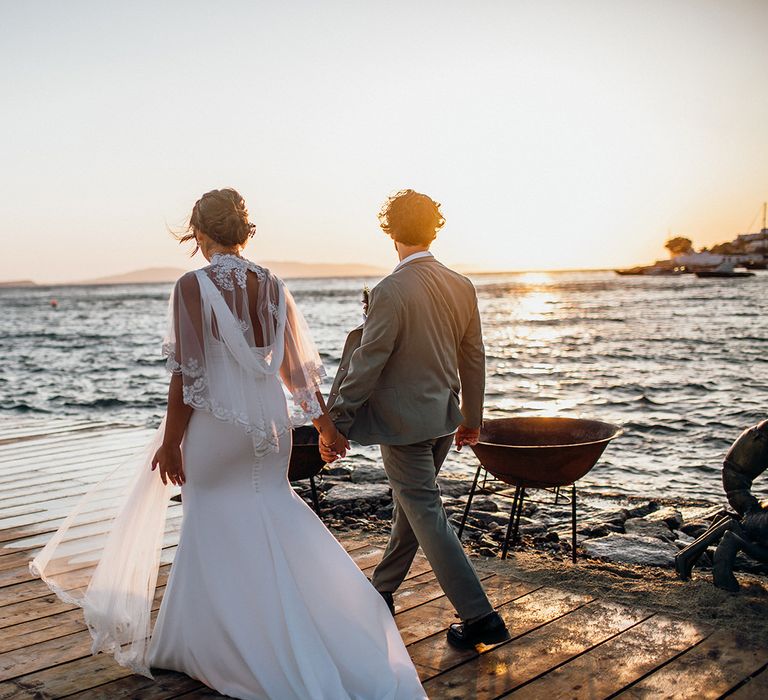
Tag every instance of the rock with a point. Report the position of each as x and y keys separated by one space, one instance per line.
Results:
x=529 y=508
x=595 y=530
x=531 y=527
x=695 y=528
x=705 y=513
x=485 y=504
x=643 y=510
x=683 y=539
x=454 y=487
x=670 y=516
x=632 y=549
x=616 y=517
x=349 y=493
x=368 y=474
x=744 y=563
x=648 y=528
x=337 y=471
x=488 y=518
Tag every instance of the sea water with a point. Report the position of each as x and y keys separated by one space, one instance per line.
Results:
x=680 y=363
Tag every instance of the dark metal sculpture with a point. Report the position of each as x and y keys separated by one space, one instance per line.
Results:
x=747 y=530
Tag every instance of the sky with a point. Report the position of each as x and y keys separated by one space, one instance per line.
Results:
x=555 y=134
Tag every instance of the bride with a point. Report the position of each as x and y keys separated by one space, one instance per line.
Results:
x=262 y=601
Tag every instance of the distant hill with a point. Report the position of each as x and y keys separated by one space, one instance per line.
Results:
x=296 y=269
x=150 y=275
x=18 y=283
x=286 y=269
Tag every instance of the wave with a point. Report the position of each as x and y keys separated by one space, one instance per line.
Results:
x=22 y=407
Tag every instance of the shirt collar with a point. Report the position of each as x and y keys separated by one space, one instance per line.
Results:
x=414 y=256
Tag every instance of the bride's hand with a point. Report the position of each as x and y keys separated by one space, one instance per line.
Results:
x=333 y=445
x=168 y=458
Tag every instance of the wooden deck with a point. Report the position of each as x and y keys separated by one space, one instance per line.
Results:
x=564 y=644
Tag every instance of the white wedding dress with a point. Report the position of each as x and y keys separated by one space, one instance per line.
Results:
x=262 y=601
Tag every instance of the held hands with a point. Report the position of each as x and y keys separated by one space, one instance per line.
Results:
x=332 y=445
x=466 y=436
x=168 y=458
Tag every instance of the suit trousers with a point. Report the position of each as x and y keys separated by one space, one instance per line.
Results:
x=419 y=518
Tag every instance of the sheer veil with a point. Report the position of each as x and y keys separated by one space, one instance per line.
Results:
x=233 y=326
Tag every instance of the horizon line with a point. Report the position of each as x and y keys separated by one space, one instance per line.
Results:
x=21 y=283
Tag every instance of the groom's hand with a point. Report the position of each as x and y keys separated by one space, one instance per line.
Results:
x=331 y=451
x=328 y=455
x=466 y=436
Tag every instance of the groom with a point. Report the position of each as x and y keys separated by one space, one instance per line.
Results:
x=398 y=386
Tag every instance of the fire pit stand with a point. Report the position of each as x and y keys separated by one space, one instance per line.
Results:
x=538 y=453
x=513 y=526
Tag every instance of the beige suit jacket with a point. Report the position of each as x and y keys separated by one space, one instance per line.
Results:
x=420 y=348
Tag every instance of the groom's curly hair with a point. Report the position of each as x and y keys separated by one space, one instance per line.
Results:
x=411 y=218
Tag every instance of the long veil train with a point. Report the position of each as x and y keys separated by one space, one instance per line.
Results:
x=106 y=555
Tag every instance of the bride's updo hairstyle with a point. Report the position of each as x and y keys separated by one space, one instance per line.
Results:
x=221 y=215
x=411 y=218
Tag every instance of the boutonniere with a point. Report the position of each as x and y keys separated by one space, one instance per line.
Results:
x=366 y=295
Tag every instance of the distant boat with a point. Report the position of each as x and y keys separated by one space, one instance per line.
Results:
x=652 y=271
x=724 y=269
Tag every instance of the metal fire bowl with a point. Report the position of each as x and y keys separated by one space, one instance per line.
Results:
x=542 y=452
x=305 y=455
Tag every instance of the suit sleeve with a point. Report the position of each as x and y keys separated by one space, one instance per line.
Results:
x=379 y=335
x=472 y=371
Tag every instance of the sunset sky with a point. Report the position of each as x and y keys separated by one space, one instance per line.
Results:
x=570 y=134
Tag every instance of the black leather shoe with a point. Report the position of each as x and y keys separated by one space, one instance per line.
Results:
x=389 y=599
x=489 y=629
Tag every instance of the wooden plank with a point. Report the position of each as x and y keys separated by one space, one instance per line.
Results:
x=9 y=690
x=70 y=650
x=611 y=666
x=29 y=539
x=32 y=484
x=420 y=566
x=54 y=651
x=74 y=489
x=19 y=617
x=52 y=517
x=113 y=681
x=522 y=614
x=41 y=628
x=69 y=443
x=709 y=670
x=756 y=688
x=36 y=588
x=436 y=615
x=60 y=469
x=14 y=467
x=32 y=609
x=15 y=434
x=58 y=432
x=16 y=555
x=422 y=589
x=70 y=451
x=514 y=663
x=100 y=677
